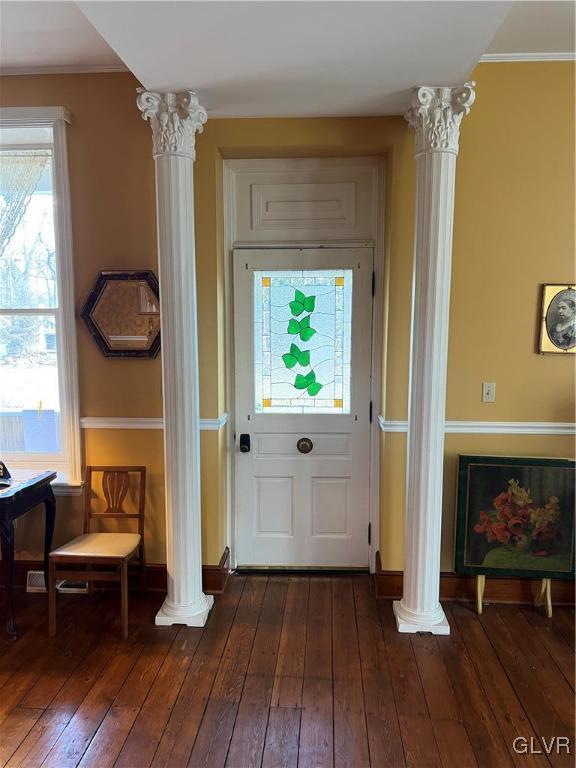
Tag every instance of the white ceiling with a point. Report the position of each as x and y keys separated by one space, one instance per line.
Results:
x=54 y=35
x=298 y=58
x=281 y=58
x=537 y=27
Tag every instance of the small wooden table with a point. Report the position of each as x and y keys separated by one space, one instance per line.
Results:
x=27 y=491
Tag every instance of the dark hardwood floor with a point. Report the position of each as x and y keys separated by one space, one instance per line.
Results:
x=288 y=671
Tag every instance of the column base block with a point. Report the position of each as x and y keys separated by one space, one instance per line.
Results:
x=195 y=615
x=412 y=624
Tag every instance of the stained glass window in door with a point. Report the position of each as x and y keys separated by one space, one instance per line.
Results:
x=302 y=332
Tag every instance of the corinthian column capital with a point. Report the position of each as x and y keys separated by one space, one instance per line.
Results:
x=435 y=115
x=174 y=118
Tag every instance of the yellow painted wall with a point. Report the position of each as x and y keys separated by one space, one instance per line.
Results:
x=513 y=231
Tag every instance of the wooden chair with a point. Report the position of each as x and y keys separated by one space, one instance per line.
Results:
x=104 y=556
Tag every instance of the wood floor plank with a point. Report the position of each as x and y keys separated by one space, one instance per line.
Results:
x=73 y=647
x=14 y=730
x=487 y=741
x=247 y=743
x=350 y=733
x=316 y=745
x=211 y=745
x=508 y=711
x=418 y=739
x=289 y=674
x=117 y=724
x=451 y=736
x=544 y=718
x=382 y=722
x=281 y=748
x=552 y=681
x=76 y=736
x=109 y=738
x=249 y=733
x=563 y=620
x=267 y=640
x=141 y=743
x=173 y=735
x=141 y=678
x=28 y=670
x=553 y=641
x=215 y=731
x=42 y=737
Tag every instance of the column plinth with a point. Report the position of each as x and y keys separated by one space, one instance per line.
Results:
x=435 y=115
x=175 y=118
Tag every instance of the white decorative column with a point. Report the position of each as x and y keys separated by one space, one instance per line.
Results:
x=175 y=118
x=435 y=115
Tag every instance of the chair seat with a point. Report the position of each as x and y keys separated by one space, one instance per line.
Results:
x=100 y=545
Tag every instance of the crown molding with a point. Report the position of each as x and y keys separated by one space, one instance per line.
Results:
x=496 y=58
x=113 y=422
x=88 y=69
x=490 y=427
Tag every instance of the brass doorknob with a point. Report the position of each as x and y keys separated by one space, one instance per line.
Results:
x=304 y=445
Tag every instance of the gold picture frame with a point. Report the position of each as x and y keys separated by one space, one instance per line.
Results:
x=558 y=320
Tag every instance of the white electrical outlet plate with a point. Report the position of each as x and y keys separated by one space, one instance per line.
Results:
x=488 y=392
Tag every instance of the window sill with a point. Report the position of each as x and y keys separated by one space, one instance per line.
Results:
x=62 y=488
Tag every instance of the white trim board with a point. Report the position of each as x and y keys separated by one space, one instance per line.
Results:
x=113 y=422
x=491 y=427
x=13 y=117
x=497 y=58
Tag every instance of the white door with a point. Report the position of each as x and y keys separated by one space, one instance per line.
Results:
x=303 y=329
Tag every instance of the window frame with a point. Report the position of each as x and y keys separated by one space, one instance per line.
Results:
x=68 y=461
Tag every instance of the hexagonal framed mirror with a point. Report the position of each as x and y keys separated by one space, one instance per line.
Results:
x=122 y=313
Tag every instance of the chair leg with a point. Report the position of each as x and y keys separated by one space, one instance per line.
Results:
x=51 y=598
x=90 y=583
x=142 y=570
x=124 y=597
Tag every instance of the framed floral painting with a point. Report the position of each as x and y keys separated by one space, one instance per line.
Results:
x=515 y=517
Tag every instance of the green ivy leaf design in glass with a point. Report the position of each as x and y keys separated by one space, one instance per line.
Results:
x=308 y=382
x=314 y=388
x=302 y=303
x=296 y=355
x=301 y=328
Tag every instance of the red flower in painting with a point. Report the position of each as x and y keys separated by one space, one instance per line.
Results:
x=516 y=526
x=483 y=525
x=545 y=538
x=506 y=512
x=501 y=533
x=502 y=499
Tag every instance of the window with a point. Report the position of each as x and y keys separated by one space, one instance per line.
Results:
x=302 y=329
x=39 y=421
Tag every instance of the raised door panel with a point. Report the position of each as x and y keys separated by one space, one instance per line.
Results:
x=321 y=200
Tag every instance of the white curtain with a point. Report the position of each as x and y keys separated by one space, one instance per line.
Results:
x=19 y=174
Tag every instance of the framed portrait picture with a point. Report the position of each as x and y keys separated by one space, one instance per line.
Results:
x=515 y=517
x=558 y=319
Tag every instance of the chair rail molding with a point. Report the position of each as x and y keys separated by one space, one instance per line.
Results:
x=119 y=422
x=175 y=118
x=490 y=427
x=435 y=115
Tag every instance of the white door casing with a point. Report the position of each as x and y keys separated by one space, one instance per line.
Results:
x=294 y=509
